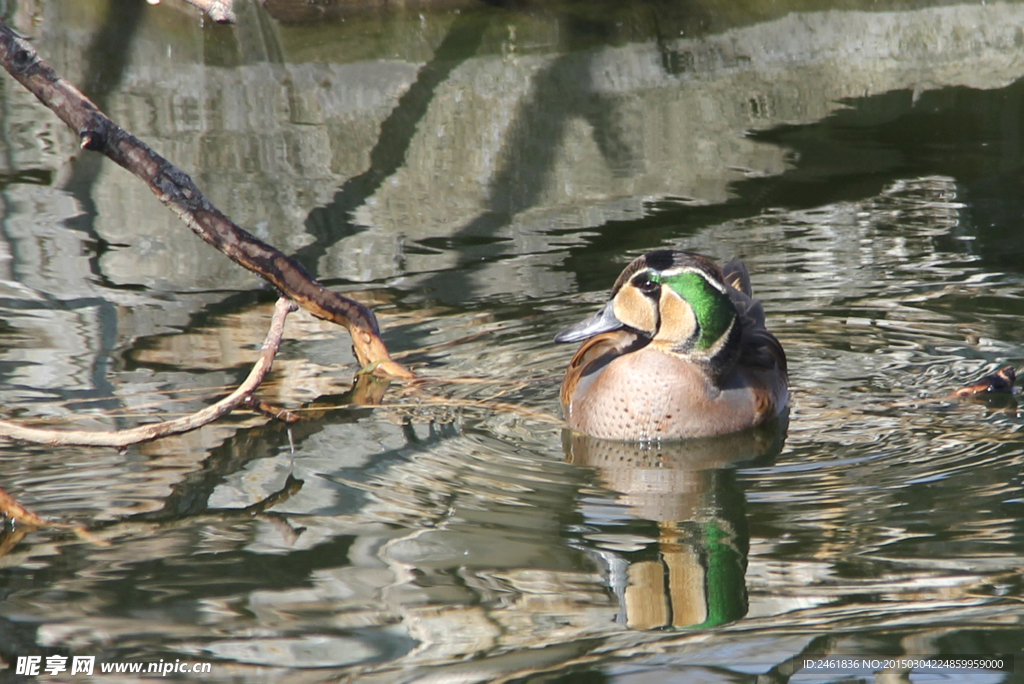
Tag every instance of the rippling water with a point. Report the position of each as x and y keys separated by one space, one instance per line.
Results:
x=456 y=532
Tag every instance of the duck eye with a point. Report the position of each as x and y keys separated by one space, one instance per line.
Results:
x=644 y=283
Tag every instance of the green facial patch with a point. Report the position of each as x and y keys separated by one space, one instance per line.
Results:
x=711 y=307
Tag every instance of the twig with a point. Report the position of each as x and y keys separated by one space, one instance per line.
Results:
x=14 y=511
x=175 y=189
x=269 y=410
x=145 y=433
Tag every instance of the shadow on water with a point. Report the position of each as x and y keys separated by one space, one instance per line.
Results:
x=974 y=136
x=332 y=222
x=106 y=61
x=561 y=92
x=971 y=135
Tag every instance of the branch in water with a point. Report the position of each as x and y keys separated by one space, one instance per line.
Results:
x=146 y=433
x=175 y=189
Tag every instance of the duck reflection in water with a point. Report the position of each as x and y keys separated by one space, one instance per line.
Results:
x=684 y=561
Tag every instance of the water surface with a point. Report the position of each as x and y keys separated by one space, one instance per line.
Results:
x=480 y=175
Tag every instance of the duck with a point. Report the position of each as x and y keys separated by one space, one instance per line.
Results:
x=680 y=350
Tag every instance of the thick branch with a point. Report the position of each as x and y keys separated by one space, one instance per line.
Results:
x=145 y=433
x=183 y=197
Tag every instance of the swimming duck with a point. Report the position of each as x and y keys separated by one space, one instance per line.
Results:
x=680 y=350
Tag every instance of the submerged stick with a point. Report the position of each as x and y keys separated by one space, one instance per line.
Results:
x=146 y=433
x=175 y=189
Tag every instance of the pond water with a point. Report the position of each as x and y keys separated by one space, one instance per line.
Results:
x=479 y=175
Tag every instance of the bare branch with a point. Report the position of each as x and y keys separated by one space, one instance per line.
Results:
x=145 y=433
x=175 y=189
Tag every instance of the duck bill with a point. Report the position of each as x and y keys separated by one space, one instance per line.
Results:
x=603 y=321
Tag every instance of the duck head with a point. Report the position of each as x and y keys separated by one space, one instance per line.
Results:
x=678 y=301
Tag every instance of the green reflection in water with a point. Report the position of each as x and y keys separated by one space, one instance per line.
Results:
x=690 y=573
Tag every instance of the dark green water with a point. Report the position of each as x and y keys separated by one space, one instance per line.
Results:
x=480 y=175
